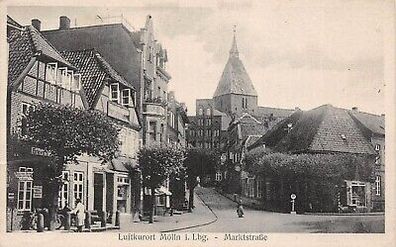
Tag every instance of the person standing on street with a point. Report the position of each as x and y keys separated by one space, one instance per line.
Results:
x=240 y=209
x=79 y=210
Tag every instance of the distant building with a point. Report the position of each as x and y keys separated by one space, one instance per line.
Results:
x=217 y=122
x=177 y=122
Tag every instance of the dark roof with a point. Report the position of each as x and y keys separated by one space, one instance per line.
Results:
x=123 y=164
x=94 y=70
x=276 y=112
x=12 y=22
x=26 y=44
x=374 y=123
x=320 y=130
x=235 y=79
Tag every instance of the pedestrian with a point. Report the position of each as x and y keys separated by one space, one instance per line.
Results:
x=79 y=210
x=240 y=209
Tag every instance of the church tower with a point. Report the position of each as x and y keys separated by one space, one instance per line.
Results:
x=235 y=93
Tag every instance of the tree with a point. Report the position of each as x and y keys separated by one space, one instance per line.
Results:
x=199 y=162
x=157 y=164
x=67 y=132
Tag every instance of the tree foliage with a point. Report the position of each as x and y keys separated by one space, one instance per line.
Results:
x=67 y=132
x=158 y=163
x=200 y=162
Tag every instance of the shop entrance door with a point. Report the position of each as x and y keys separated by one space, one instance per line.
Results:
x=98 y=192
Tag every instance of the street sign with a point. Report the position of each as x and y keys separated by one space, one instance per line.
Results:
x=37 y=191
x=293 y=196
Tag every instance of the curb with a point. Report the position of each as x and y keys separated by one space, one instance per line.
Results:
x=345 y=214
x=197 y=225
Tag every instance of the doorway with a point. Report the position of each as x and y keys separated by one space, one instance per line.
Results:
x=98 y=192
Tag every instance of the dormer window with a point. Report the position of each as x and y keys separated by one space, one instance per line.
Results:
x=126 y=97
x=115 y=92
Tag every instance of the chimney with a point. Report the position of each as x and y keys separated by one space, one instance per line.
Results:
x=36 y=23
x=355 y=108
x=64 y=23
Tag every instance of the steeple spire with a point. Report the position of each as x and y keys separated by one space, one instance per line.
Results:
x=234 y=48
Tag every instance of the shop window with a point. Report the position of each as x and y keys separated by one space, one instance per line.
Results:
x=78 y=185
x=378 y=185
x=25 y=195
x=161 y=200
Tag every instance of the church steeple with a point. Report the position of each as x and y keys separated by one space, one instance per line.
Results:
x=234 y=48
x=235 y=79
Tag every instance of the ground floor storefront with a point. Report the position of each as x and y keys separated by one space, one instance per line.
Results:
x=102 y=188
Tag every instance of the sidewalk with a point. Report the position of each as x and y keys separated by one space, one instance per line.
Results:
x=201 y=215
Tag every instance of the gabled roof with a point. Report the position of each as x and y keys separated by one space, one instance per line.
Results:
x=235 y=79
x=95 y=72
x=374 y=123
x=320 y=130
x=12 y=22
x=24 y=46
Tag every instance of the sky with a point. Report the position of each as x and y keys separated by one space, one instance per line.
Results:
x=298 y=53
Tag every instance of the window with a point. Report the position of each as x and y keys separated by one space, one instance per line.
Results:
x=25 y=195
x=63 y=199
x=219 y=176
x=63 y=77
x=377 y=160
x=208 y=112
x=114 y=92
x=200 y=111
x=76 y=82
x=378 y=185
x=208 y=121
x=25 y=111
x=153 y=130
x=50 y=74
x=259 y=188
x=268 y=191
x=377 y=147
x=126 y=97
x=78 y=182
x=244 y=103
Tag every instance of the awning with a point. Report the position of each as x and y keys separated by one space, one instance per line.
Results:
x=123 y=164
x=162 y=191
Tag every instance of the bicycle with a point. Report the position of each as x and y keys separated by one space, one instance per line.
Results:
x=31 y=219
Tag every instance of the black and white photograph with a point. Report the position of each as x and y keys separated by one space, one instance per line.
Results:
x=183 y=123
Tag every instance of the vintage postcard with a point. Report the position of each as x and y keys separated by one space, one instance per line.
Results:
x=187 y=123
